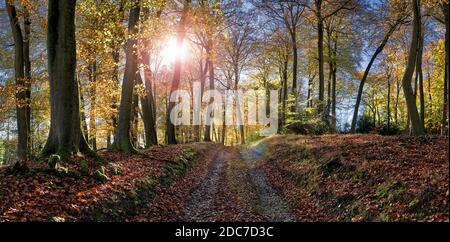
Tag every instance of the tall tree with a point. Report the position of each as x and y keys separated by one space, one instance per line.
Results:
x=147 y=100
x=321 y=15
x=419 y=71
x=22 y=70
x=181 y=33
x=122 y=139
x=400 y=18
x=289 y=14
x=65 y=136
x=445 y=11
x=416 y=123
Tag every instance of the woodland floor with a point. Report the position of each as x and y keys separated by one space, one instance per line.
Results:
x=280 y=178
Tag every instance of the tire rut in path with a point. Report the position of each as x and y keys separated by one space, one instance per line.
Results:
x=270 y=203
x=200 y=206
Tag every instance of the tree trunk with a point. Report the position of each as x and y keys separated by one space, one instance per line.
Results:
x=224 y=125
x=122 y=139
x=398 y=86
x=445 y=10
x=419 y=72
x=294 y=70
x=308 y=97
x=333 y=87
x=210 y=65
x=416 y=124
x=366 y=74
x=388 y=108
x=147 y=109
x=135 y=118
x=92 y=117
x=65 y=136
x=21 y=85
x=181 y=32
x=285 y=92
x=27 y=66
x=147 y=101
x=321 y=62
x=203 y=71
x=83 y=112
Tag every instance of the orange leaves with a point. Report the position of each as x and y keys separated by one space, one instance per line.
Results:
x=380 y=178
x=40 y=195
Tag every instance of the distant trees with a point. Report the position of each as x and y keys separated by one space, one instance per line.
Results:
x=399 y=16
x=288 y=14
x=310 y=51
x=238 y=49
x=321 y=14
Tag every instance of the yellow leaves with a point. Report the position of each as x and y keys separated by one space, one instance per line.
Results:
x=431 y=3
x=140 y=90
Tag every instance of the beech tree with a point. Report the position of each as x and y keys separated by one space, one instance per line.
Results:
x=22 y=69
x=416 y=123
x=66 y=136
x=321 y=15
x=181 y=34
x=399 y=18
x=122 y=138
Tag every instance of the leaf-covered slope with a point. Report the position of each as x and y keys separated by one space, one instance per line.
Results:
x=361 y=177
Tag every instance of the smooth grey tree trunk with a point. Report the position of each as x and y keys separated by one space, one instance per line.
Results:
x=65 y=136
x=416 y=124
x=122 y=139
x=211 y=87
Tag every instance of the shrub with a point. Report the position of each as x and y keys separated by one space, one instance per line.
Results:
x=365 y=125
x=309 y=127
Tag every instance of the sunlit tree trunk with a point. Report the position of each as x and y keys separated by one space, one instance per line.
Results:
x=203 y=72
x=84 y=125
x=210 y=65
x=416 y=124
x=92 y=117
x=135 y=118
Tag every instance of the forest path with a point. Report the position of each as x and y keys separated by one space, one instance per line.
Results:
x=200 y=206
x=269 y=202
x=217 y=197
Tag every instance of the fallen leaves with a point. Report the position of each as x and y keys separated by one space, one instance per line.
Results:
x=41 y=196
x=419 y=164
